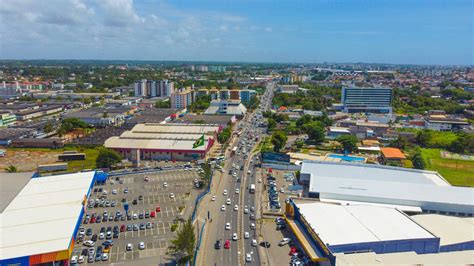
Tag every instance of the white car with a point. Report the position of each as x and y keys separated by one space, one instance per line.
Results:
x=237 y=191
x=246 y=211
x=223 y=208
x=246 y=235
x=234 y=236
x=252 y=226
x=248 y=257
x=236 y=207
x=252 y=209
x=172 y=195
x=81 y=259
x=284 y=241
x=213 y=198
x=225 y=192
x=129 y=247
x=228 y=202
x=89 y=243
x=141 y=245
x=114 y=192
x=254 y=242
x=227 y=226
x=105 y=256
x=282 y=190
x=259 y=180
x=101 y=236
x=165 y=184
x=74 y=259
x=249 y=172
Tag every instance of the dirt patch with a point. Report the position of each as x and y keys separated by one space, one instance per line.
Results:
x=26 y=161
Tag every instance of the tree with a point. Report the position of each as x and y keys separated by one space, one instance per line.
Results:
x=11 y=169
x=224 y=135
x=185 y=242
x=271 y=124
x=417 y=160
x=48 y=127
x=315 y=131
x=163 y=104
x=206 y=172
x=279 y=139
x=401 y=142
x=457 y=146
x=348 y=142
x=107 y=158
x=423 y=137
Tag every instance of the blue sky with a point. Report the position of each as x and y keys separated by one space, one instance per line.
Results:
x=381 y=31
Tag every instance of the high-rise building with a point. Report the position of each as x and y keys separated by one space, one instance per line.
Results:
x=246 y=95
x=181 y=98
x=153 y=88
x=367 y=99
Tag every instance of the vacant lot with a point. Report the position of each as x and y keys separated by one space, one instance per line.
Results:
x=457 y=172
x=28 y=159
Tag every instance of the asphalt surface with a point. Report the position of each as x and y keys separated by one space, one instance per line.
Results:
x=239 y=222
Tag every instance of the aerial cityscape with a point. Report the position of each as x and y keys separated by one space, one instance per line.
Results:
x=220 y=133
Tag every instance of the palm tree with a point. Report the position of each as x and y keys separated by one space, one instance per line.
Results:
x=184 y=243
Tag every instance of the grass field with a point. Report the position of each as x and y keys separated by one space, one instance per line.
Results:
x=457 y=172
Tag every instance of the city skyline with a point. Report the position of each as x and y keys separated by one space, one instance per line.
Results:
x=391 y=32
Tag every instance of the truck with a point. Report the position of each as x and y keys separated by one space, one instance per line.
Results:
x=52 y=167
x=252 y=188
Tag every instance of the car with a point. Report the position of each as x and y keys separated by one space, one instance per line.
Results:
x=141 y=245
x=108 y=235
x=280 y=226
x=259 y=180
x=225 y=192
x=227 y=244
x=125 y=191
x=122 y=228
x=246 y=235
x=116 y=234
x=105 y=257
x=158 y=209
x=74 y=259
x=252 y=226
x=246 y=210
x=213 y=198
x=142 y=226
x=101 y=236
x=108 y=243
x=141 y=215
x=129 y=227
x=248 y=257
x=152 y=214
x=252 y=209
x=227 y=226
x=90 y=259
x=81 y=259
x=135 y=202
x=135 y=227
x=89 y=232
x=146 y=179
x=172 y=195
x=165 y=184
x=252 y=216
x=236 y=207
x=228 y=202
x=129 y=247
x=237 y=191
x=284 y=241
x=84 y=252
x=135 y=216
x=282 y=190
x=218 y=244
x=114 y=191
x=89 y=243
x=234 y=236
x=254 y=242
x=223 y=208
x=149 y=225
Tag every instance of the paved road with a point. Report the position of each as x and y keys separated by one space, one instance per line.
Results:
x=239 y=222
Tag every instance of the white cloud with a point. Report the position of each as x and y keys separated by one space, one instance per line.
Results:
x=119 y=13
x=268 y=29
x=223 y=28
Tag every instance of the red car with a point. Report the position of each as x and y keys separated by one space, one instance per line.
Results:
x=92 y=220
x=292 y=251
x=227 y=244
x=158 y=208
x=122 y=228
x=152 y=214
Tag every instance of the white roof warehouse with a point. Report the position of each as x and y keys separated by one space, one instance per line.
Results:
x=406 y=189
x=40 y=223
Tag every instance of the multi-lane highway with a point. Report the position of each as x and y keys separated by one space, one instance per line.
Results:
x=230 y=204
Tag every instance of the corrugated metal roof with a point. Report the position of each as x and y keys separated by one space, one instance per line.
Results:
x=43 y=216
x=153 y=144
x=339 y=225
x=450 y=229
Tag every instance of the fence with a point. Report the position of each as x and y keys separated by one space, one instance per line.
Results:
x=198 y=246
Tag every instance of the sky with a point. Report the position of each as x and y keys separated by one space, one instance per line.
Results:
x=295 y=31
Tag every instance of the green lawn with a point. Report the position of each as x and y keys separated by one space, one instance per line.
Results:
x=457 y=172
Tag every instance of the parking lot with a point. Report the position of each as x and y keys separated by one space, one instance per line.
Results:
x=155 y=201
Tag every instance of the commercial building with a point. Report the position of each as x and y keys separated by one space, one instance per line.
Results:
x=445 y=122
x=246 y=95
x=226 y=107
x=6 y=118
x=101 y=117
x=234 y=94
x=38 y=112
x=164 y=142
x=181 y=98
x=350 y=183
x=40 y=217
x=367 y=99
x=153 y=88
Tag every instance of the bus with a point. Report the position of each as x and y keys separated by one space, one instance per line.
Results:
x=252 y=188
x=233 y=150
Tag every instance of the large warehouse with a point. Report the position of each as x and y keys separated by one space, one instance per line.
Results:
x=165 y=141
x=349 y=183
x=40 y=219
x=329 y=230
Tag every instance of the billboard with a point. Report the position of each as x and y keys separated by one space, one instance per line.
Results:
x=273 y=157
